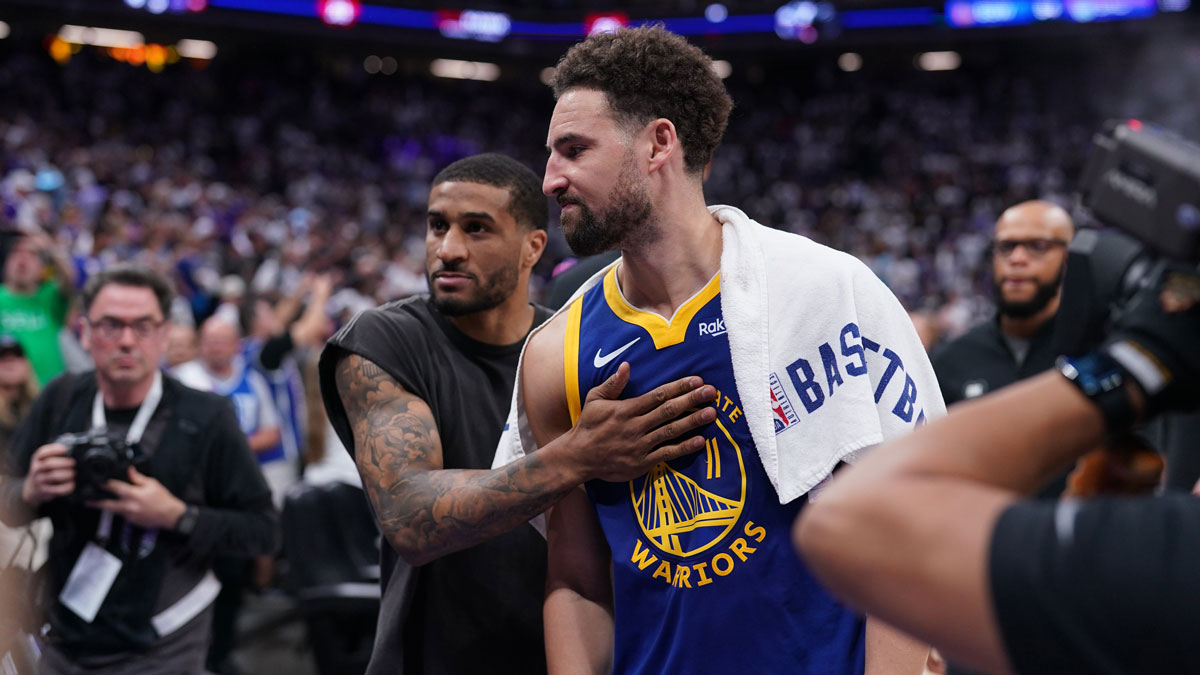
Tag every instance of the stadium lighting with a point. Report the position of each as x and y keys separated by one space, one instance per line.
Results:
x=465 y=70
x=604 y=23
x=723 y=69
x=135 y=4
x=372 y=64
x=938 y=61
x=850 y=62
x=388 y=66
x=100 y=37
x=4 y=30
x=716 y=13
x=196 y=49
x=547 y=75
x=343 y=13
x=470 y=24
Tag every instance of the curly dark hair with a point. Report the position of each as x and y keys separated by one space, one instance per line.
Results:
x=647 y=73
x=526 y=202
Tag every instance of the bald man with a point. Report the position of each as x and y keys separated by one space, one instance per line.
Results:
x=1029 y=256
x=221 y=370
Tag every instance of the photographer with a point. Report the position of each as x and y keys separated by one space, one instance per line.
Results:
x=934 y=537
x=130 y=586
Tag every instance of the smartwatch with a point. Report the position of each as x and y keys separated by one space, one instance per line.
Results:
x=1100 y=378
x=187 y=522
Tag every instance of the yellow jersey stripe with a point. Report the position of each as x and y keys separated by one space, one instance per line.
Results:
x=664 y=333
x=571 y=358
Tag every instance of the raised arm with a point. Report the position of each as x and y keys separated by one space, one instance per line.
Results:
x=427 y=511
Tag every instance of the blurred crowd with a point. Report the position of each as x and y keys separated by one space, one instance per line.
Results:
x=238 y=178
x=282 y=194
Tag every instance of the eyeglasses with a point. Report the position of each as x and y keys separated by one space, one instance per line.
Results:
x=112 y=329
x=1034 y=247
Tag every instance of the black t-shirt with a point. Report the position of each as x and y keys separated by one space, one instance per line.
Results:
x=1102 y=586
x=477 y=610
x=981 y=361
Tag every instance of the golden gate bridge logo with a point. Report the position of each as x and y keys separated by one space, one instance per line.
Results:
x=669 y=504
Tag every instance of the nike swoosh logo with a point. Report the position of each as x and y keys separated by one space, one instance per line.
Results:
x=601 y=361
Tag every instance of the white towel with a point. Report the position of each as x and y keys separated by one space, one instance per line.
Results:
x=825 y=359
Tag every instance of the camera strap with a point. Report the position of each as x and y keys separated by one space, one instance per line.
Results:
x=140 y=421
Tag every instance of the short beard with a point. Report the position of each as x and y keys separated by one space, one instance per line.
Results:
x=624 y=223
x=1026 y=308
x=499 y=287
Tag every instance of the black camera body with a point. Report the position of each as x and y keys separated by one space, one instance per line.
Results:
x=98 y=457
x=1143 y=182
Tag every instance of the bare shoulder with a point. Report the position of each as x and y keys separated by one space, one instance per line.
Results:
x=543 y=382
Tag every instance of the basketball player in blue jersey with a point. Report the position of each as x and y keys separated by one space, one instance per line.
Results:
x=687 y=568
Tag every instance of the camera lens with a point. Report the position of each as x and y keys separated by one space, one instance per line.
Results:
x=98 y=462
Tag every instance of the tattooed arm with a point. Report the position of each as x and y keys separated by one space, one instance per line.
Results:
x=426 y=511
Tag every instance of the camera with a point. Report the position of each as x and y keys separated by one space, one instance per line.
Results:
x=1143 y=182
x=98 y=457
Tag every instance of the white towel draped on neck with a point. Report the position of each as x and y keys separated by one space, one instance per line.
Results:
x=825 y=359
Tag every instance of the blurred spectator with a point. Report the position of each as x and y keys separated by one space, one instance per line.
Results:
x=278 y=342
x=927 y=327
x=18 y=387
x=196 y=495
x=181 y=344
x=1029 y=259
x=32 y=308
x=222 y=370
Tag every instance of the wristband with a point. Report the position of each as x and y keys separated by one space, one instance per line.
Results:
x=1100 y=378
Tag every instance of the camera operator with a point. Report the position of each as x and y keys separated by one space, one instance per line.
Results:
x=129 y=573
x=934 y=537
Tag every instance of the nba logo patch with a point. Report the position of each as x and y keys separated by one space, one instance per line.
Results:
x=781 y=407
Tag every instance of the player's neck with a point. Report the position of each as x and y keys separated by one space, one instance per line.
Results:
x=505 y=324
x=664 y=274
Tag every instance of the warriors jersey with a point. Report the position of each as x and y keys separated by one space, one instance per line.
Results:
x=704 y=576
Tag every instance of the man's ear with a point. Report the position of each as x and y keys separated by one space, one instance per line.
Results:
x=664 y=143
x=532 y=249
x=85 y=334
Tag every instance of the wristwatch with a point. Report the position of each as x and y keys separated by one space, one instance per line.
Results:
x=1100 y=378
x=187 y=522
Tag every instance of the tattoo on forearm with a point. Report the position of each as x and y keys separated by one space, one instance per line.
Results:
x=423 y=509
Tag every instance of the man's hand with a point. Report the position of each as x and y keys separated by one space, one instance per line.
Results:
x=618 y=440
x=51 y=475
x=142 y=501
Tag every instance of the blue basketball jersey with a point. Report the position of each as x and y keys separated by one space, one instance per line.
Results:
x=704 y=576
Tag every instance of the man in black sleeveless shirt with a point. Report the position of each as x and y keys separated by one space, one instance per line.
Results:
x=419 y=389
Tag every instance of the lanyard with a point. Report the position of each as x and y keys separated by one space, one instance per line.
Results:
x=140 y=421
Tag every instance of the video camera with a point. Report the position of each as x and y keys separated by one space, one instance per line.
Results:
x=1144 y=182
x=98 y=457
